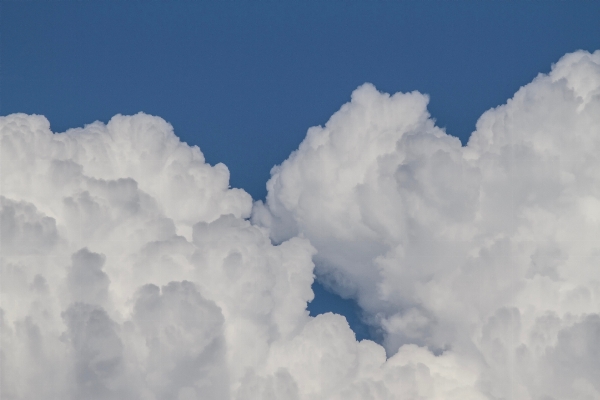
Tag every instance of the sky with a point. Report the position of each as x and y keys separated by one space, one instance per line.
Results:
x=245 y=80
x=137 y=265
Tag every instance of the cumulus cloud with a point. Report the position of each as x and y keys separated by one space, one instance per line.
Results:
x=486 y=252
x=131 y=270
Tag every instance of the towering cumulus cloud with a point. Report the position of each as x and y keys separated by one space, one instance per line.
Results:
x=130 y=269
x=487 y=253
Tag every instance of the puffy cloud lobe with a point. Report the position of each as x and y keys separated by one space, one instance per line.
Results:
x=185 y=349
x=97 y=353
x=484 y=252
x=130 y=270
x=24 y=229
x=132 y=153
x=85 y=279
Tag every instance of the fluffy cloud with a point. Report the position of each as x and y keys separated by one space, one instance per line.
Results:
x=485 y=252
x=131 y=270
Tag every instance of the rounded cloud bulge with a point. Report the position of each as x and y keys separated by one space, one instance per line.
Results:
x=484 y=254
x=130 y=269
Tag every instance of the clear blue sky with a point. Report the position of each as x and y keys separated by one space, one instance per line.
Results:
x=244 y=80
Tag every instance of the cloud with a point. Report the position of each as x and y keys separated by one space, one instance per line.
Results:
x=131 y=270
x=468 y=250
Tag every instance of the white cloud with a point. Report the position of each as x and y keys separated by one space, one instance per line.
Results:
x=466 y=250
x=129 y=268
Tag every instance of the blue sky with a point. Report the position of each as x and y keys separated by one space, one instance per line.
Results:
x=244 y=80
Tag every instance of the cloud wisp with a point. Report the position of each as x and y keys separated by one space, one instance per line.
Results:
x=130 y=269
